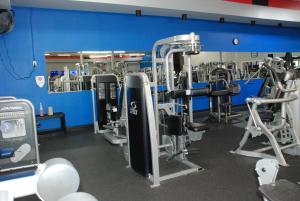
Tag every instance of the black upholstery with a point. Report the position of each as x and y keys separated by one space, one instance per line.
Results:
x=266 y=116
x=197 y=126
x=233 y=89
x=175 y=125
x=223 y=92
x=182 y=93
x=281 y=190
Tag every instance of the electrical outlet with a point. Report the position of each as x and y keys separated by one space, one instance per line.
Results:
x=34 y=64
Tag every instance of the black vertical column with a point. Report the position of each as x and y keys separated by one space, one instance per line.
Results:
x=261 y=2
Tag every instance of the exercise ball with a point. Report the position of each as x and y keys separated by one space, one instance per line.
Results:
x=57 y=179
x=79 y=196
x=5 y=196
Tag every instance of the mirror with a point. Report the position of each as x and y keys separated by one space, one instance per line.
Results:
x=242 y=65
x=72 y=71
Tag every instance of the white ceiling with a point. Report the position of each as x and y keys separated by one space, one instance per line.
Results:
x=196 y=9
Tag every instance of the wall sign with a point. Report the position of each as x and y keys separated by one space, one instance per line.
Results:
x=40 y=80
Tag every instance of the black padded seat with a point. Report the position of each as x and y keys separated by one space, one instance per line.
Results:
x=175 y=125
x=281 y=190
x=266 y=116
x=197 y=126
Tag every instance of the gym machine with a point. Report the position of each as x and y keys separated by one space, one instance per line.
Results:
x=21 y=173
x=144 y=149
x=19 y=146
x=106 y=113
x=272 y=189
x=164 y=61
x=283 y=127
x=222 y=89
x=155 y=130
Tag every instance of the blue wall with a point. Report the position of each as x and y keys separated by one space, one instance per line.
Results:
x=59 y=30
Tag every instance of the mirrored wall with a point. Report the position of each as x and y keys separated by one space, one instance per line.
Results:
x=242 y=65
x=72 y=71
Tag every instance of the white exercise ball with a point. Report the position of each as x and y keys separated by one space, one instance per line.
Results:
x=79 y=196
x=58 y=179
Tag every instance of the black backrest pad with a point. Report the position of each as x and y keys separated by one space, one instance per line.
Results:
x=175 y=125
x=139 y=136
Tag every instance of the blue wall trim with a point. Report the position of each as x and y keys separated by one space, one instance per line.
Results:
x=60 y=30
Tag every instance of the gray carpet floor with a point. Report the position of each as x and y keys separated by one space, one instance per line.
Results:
x=103 y=171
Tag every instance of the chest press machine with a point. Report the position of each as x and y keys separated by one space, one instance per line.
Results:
x=283 y=132
x=150 y=137
x=106 y=113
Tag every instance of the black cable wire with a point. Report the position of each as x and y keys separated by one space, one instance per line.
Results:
x=32 y=36
x=5 y=67
x=11 y=69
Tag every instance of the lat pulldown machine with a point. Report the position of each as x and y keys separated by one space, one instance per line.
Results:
x=106 y=112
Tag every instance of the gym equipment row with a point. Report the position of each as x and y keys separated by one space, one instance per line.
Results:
x=159 y=120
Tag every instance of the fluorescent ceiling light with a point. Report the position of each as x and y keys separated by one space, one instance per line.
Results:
x=64 y=55
x=99 y=56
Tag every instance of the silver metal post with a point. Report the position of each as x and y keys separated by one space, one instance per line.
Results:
x=190 y=86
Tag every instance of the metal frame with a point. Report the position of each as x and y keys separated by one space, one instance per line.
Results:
x=267 y=170
x=111 y=133
x=4 y=98
x=290 y=106
x=167 y=47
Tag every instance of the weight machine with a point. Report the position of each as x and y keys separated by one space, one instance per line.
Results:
x=155 y=130
x=19 y=146
x=284 y=129
x=106 y=113
x=164 y=62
